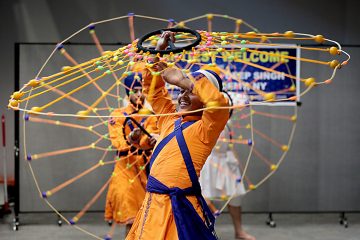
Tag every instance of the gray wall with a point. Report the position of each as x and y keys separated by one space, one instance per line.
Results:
x=324 y=152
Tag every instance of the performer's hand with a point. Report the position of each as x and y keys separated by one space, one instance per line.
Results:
x=134 y=136
x=177 y=77
x=162 y=43
x=152 y=141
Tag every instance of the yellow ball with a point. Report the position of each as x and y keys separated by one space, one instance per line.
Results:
x=293 y=118
x=107 y=53
x=36 y=109
x=273 y=167
x=82 y=114
x=115 y=59
x=264 y=38
x=289 y=34
x=269 y=96
x=284 y=148
x=34 y=83
x=18 y=95
x=334 y=63
x=292 y=88
x=210 y=16
x=239 y=21
x=223 y=197
x=181 y=24
x=153 y=42
x=319 y=38
x=334 y=51
x=252 y=187
x=14 y=103
x=66 y=68
x=309 y=81
x=251 y=33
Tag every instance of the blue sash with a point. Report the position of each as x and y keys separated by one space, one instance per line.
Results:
x=128 y=121
x=189 y=224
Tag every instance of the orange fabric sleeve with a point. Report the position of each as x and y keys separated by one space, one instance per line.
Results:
x=158 y=98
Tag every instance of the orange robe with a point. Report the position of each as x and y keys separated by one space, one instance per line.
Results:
x=155 y=220
x=127 y=187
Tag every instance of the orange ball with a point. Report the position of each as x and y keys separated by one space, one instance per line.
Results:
x=319 y=38
x=14 y=103
x=18 y=95
x=334 y=51
x=309 y=81
x=289 y=34
x=334 y=63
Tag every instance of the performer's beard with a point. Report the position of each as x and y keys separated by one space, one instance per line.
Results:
x=138 y=104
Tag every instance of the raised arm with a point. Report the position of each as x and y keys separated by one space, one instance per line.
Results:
x=154 y=86
x=158 y=97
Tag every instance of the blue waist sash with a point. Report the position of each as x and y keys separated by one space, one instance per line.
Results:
x=189 y=224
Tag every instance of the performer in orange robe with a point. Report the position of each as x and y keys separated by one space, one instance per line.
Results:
x=127 y=187
x=173 y=207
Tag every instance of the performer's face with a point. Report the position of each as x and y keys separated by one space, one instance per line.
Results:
x=189 y=102
x=137 y=98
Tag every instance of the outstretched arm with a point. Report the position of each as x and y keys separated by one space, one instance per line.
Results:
x=154 y=86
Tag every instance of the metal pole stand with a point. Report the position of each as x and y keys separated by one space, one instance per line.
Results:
x=343 y=220
x=59 y=220
x=270 y=221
